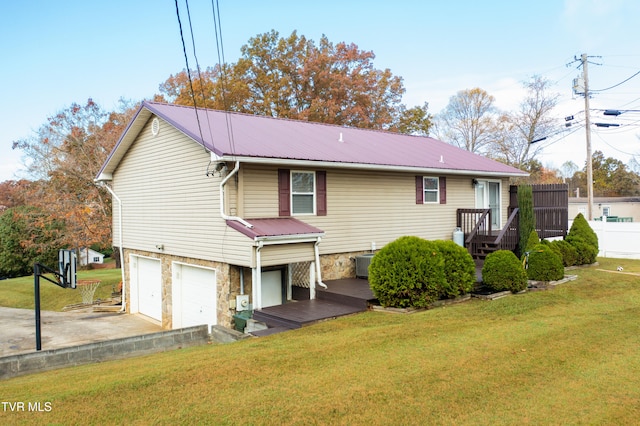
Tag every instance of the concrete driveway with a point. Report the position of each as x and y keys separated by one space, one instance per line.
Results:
x=64 y=329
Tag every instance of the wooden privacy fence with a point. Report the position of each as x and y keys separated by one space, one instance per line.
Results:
x=550 y=207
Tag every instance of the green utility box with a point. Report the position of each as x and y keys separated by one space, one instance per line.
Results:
x=240 y=320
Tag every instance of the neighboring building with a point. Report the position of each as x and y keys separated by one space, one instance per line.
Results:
x=88 y=256
x=620 y=207
x=231 y=209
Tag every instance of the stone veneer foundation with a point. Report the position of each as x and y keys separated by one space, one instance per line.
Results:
x=333 y=267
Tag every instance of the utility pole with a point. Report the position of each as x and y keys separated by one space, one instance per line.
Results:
x=587 y=121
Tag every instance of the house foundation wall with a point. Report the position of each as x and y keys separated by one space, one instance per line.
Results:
x=228 y=280
x=339 y=265
x=224 y=277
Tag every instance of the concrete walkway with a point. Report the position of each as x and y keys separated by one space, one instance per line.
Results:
x=65 y=329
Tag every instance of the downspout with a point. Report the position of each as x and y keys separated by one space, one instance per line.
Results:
x=318 y=268
x=222 y=213
x=113 y=194
x=257 y=282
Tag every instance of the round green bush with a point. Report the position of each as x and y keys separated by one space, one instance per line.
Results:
x=544 y=264
x=585 y=253
x=566 y=251
x=408 y=272
x=459 y=269
x=502 y=271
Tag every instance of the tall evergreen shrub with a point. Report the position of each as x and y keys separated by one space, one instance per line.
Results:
x=526 y=219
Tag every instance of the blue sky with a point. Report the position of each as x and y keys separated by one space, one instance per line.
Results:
x=57 y=53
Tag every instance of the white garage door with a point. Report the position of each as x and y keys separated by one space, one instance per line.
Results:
x=194 y=296
x=146 y=287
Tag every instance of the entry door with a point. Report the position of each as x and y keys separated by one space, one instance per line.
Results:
x=272 y=288
x=488 y=197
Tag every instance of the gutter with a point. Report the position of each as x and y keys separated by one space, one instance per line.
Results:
x=222 y=184
x=364 y=166
x=113 y=194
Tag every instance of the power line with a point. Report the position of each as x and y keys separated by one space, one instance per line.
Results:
x=616 y=85
x=221 y=64
x=204 y=101
x=186 y=59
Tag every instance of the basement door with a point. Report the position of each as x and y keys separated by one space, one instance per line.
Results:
x=146 y=287
x=193 y=291
x=272 y=288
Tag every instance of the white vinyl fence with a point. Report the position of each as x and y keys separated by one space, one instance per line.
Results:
x=617 y=239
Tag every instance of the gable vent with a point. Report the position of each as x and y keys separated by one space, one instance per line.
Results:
x=155 y=127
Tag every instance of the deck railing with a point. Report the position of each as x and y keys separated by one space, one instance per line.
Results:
x=476 y=225
x=508 y=237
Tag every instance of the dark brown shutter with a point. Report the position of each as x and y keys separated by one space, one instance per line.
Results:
x=284 y=192
x=321 y=193
x=419 y=190
x=443 y=189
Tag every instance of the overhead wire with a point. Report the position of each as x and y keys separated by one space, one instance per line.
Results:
x=186 y=59
x=221 y=64
x=204 y=100
x=616 y=85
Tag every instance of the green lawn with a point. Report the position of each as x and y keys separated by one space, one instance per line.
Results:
x=565 y=356
x=18 y=292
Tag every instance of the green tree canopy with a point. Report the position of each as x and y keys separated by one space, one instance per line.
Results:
x=27 y=235
x=611 y=178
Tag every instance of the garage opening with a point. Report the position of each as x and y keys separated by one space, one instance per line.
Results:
x=194 y=294
x=146 y=286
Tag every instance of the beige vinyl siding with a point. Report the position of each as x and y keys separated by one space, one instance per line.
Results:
x=366 y=207
x=168 y=200
x=282 y=254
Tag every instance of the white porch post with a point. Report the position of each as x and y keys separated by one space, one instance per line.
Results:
x=312 y=281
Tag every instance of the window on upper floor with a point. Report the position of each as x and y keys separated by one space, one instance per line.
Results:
x=431 y=190
x=430 y=186
x=302 y=192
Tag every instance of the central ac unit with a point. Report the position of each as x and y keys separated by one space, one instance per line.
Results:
x=362 y=265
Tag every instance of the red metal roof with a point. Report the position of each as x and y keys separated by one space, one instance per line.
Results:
x=276 y=227
x=235 y=134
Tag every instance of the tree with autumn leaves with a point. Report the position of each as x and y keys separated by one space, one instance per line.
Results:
x=61 y=207
x=296 y=78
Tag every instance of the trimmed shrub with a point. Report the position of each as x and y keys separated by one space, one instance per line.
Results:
x=584 y=240
x=503 y=271
x=566 y=251
x=585 y=253
x=533 y=241
x=408 y=272
x=544 y=264
x=580 y=228
x=459 y=269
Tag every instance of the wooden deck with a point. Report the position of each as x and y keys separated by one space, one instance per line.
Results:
x=342 y=297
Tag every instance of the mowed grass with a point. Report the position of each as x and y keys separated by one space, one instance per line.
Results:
x=565 y=356
x=19 y=292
